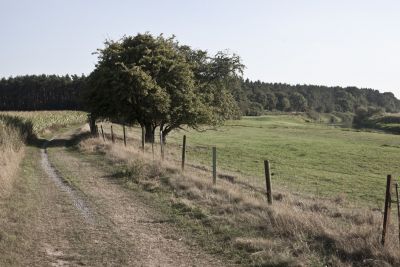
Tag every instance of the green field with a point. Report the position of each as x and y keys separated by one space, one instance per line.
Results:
x=305 y=157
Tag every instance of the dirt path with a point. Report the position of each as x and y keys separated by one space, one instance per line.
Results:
x=95 y=222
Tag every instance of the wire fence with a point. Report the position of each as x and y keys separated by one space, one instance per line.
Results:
x=301 y=179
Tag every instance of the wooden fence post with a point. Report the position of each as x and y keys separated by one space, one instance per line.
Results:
x=214 y=161
x=162 y=145
x=112 y=134
x=123 y=129
x=268 y=180
x=388 y=202
x=143 y=138
x=183 y=152
x=152 y=148
x=102 y=132
x=398 y=207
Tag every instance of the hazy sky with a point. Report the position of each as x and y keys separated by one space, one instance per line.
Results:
x=314 y=42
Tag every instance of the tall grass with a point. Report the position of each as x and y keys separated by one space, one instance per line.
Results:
x=14 y=132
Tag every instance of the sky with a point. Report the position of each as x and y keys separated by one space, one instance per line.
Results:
x=336 y=42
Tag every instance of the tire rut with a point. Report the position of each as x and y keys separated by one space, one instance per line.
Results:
x=77 y=201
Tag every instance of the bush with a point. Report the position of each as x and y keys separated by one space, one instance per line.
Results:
x=255 y=109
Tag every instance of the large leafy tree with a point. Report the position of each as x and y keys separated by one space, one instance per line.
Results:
x=155 y=82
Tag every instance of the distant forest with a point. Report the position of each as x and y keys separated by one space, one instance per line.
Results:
x=41 y=92
x=52 y=92
x=254 y=97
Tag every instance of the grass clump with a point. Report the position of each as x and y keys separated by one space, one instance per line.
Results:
x=14 y=133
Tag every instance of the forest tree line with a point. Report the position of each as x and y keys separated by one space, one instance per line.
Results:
x=41 y=92
x=53 y=92
x=255 y=97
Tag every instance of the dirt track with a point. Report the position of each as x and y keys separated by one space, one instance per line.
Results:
x=95 y=222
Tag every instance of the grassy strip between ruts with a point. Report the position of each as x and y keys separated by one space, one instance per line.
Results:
x=235 y=221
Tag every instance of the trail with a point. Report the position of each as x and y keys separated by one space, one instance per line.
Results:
x=93 y=221
x=78 y=202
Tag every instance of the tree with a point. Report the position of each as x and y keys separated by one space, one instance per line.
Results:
x=283 y=103
x=298 y=102
x=255 y=109
x=271 y=101
x=155 y=82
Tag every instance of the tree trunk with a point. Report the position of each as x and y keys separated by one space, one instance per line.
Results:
x=149 y=135
x=164 y=136
x=92 y=124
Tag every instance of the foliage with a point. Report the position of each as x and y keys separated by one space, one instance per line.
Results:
x=156 y=82
x=283 y=103
x=298 y=102
x=255 y=109
x=41 y=92
x=319 y=98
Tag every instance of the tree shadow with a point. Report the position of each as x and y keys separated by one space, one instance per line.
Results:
x=70 y=142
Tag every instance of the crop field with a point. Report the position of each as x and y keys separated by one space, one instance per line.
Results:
x=42 y=120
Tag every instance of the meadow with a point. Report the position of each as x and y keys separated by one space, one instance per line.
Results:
x=306 y=157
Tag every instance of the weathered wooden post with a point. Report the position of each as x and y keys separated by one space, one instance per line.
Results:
x=123 y=129
x=162 y=145
x=152 y=148
x=214 y=161
x=143 y=138
x=268 y=180
x=398 y=207
x=183 y=152
x=388 y=202
x=112 y=134
x=102 y=133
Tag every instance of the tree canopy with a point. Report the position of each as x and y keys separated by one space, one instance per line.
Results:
x=156 y=82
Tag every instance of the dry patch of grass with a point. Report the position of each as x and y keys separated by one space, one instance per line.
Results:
x=13 y=135
x=295 y=231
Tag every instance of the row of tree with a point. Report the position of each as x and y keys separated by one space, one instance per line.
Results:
x=53 y=92
x=42 y=92
x=254 y=97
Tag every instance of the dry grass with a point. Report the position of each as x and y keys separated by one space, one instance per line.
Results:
x=13 y=134
x=295 y=231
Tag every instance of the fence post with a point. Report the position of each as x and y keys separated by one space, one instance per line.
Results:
x=388 y=200
x=398 y=207
x=183 y=152
x=143 y=137
x=112 y=134
x=214 y=161
x=102 y=132
x=268 y=180
x=162 y=145
x=123 y=129
x=152 y=148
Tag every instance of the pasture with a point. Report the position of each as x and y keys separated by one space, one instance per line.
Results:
x=306 y=157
